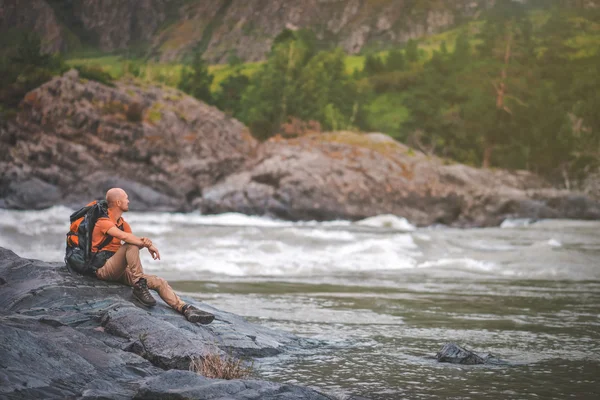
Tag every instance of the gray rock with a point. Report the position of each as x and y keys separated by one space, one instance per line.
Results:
x=455 y=354
x=351 y=176
x=186 y=385
x=66 y=336
x=73 y=139
x=32 y=193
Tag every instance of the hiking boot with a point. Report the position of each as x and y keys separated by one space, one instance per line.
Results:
x=141 y=292
x=192 y=314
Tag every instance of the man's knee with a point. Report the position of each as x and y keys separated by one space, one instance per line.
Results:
x=131 y=247
x=156 y=282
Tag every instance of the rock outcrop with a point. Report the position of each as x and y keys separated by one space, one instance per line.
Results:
x=66 y=336
x=351 y=176
x=74 y=138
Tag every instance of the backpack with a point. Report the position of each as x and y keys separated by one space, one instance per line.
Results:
x=78 y=255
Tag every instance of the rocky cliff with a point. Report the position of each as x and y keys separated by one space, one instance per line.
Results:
x=73 y=139
x=169 y=30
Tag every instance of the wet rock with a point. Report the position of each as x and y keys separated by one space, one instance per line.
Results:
x=186 y=385
x=66 y=336
x=455 y=354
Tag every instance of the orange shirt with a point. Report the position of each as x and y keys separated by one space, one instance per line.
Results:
x=99 y=234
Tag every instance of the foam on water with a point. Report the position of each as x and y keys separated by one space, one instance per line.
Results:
x=195 y=246
x=54 y=220
x=321 y=234
x=225 y=219
x=516 y=222
x=554 y=243
x=466 y=264
x=388 y=221
x=274 y=257
x=195 y=218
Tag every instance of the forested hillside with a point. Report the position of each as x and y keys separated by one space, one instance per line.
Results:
x=517 y=86
x=518 y=89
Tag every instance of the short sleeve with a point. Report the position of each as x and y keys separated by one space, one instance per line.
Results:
x=103 y=225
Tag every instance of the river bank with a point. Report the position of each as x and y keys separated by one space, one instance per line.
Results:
x=70 y=336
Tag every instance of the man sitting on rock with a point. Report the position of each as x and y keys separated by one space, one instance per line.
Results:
x=125 y=266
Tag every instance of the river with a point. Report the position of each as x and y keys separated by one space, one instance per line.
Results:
x=380 y=297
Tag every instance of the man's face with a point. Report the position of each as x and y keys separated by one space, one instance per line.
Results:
x=123 y=202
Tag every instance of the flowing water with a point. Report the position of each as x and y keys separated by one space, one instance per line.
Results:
x=381 y=297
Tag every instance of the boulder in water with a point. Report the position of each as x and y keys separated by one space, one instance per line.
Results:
x=455 y=354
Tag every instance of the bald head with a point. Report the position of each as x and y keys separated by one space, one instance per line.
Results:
x=115 y=195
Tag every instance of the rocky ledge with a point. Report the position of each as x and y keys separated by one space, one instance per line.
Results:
x=73 y=139
x=65 y=336
x=353 y=176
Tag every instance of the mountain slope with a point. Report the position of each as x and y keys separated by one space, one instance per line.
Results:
x=168 y=30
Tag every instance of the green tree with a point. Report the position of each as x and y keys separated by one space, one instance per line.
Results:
x=229 y=97
x=462 y=50
x=412 y=51
x=395 y=61
x=373 y=65
x=23 y=67
x=326 y=93
x=272 y=96
x=196 y=80
x=502 y=66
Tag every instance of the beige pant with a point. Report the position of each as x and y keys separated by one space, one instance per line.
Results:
x=125 y=267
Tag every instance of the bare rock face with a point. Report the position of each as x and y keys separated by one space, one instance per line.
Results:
x=119 y=24
x=351 y=176
x=34 y=15
x=73 y=139
x=172 y=29
x=249 y=27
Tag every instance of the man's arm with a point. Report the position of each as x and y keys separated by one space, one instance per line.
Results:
x=132 y=239
x=128 y=237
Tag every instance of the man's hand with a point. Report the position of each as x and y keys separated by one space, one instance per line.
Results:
x=154 y=252
x=146 y=242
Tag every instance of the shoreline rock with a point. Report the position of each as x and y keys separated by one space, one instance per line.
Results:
x=345 y=175
x=73 y=139
x=66 y=336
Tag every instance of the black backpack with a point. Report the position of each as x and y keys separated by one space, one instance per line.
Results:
x=78 y=255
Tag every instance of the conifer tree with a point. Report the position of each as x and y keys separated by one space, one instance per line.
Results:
x=196 y=80
x=412 y=51
x=395 y=61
